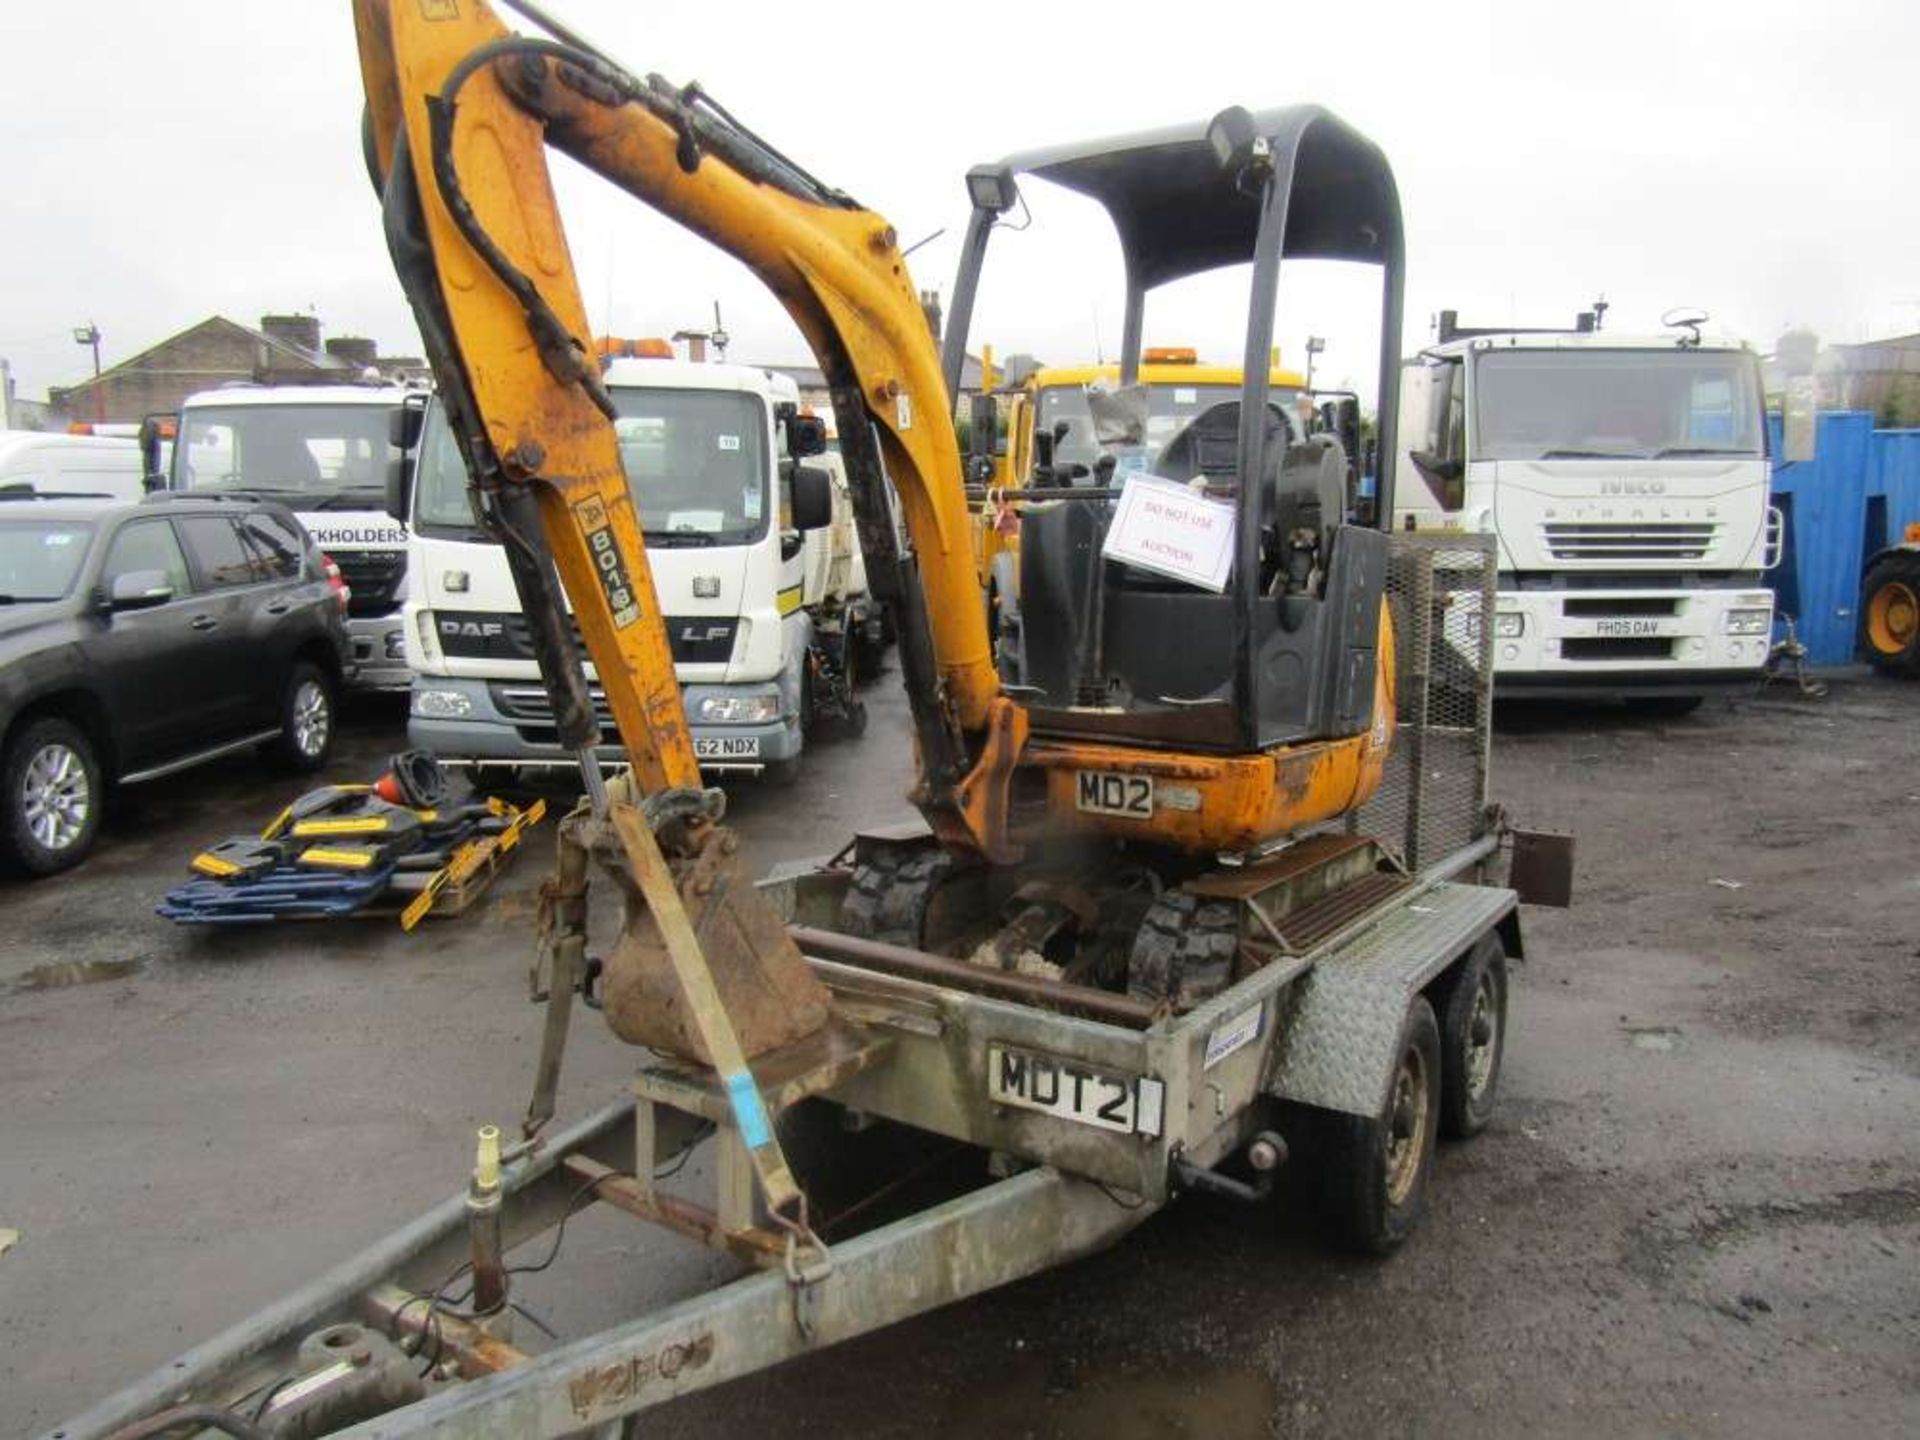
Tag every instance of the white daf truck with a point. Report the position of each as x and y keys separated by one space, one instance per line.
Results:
x=761 y=614
x=1626 y=480
x=330 y=454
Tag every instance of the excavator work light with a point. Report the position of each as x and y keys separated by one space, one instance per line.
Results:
x=991 y=188
x=1237 y=144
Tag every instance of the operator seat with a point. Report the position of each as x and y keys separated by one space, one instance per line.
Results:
x=1167 y=648
x=1304 y=488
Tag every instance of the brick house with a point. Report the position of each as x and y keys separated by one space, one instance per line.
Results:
x=285 y=350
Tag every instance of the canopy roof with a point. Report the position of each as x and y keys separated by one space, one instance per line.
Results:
x=1178 y=212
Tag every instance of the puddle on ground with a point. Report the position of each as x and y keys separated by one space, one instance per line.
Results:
x=1216 y=1402
x=1662 y=1038
x=61 y=974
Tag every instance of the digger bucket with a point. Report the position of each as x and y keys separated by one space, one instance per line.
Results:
x=760 y=983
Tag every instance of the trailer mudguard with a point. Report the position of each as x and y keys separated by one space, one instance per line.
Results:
x=1338 y=1047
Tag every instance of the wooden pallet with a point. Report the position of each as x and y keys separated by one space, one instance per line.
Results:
x=455 y=887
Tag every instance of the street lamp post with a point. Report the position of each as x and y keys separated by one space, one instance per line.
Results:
x=89 y=334
x=1316 y=344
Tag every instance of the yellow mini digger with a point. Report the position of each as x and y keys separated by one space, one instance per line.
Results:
x=1199 y=887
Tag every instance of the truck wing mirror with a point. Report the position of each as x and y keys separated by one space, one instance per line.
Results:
x=404 y=422
x=404 y=425
x=811 y=499
x=1346 y=424
x=156 y=432
x=983 y=429
x=806 y=435
x=399 y=487
x=1434 y=468
x=1445 y=478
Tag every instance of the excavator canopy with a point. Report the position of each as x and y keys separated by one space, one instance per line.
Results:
x=1255 y=668
x=1179 y=211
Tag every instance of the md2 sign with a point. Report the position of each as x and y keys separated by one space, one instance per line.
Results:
x=1108 y=792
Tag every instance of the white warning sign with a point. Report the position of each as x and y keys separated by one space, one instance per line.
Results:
x=1163 y=526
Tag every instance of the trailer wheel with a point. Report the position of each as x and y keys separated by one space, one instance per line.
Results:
x=1891 y=610
x=1375 y=1170
x=1473 y=1037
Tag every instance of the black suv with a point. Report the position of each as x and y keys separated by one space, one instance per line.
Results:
x=137 y=639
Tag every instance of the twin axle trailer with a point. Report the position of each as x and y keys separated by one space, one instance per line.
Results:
x=1366 y=1019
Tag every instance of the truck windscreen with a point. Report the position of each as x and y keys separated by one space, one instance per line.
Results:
x=316 y=457
x=1615 y=404
x=1170 y=409
x=696 y=461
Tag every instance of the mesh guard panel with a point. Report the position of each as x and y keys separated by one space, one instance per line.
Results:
x=1433 y=798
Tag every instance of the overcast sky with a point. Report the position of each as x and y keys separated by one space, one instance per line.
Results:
x=170 y=161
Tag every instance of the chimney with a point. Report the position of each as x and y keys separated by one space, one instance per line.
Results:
x=930 y=304
x=354 y=350
x=301 y=331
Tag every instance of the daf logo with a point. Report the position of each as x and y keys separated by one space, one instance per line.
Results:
x=473 y=629
x=706 y=587
x=1633 y=487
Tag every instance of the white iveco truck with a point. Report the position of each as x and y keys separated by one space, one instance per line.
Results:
x=1626 y=479
x=330 y=453
x=762 y=625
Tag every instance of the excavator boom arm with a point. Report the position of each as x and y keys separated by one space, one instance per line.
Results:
x=470 y=107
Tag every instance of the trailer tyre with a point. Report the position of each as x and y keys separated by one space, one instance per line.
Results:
x=1890 y=611
x=1473 y=1036
x=1375 y=1169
